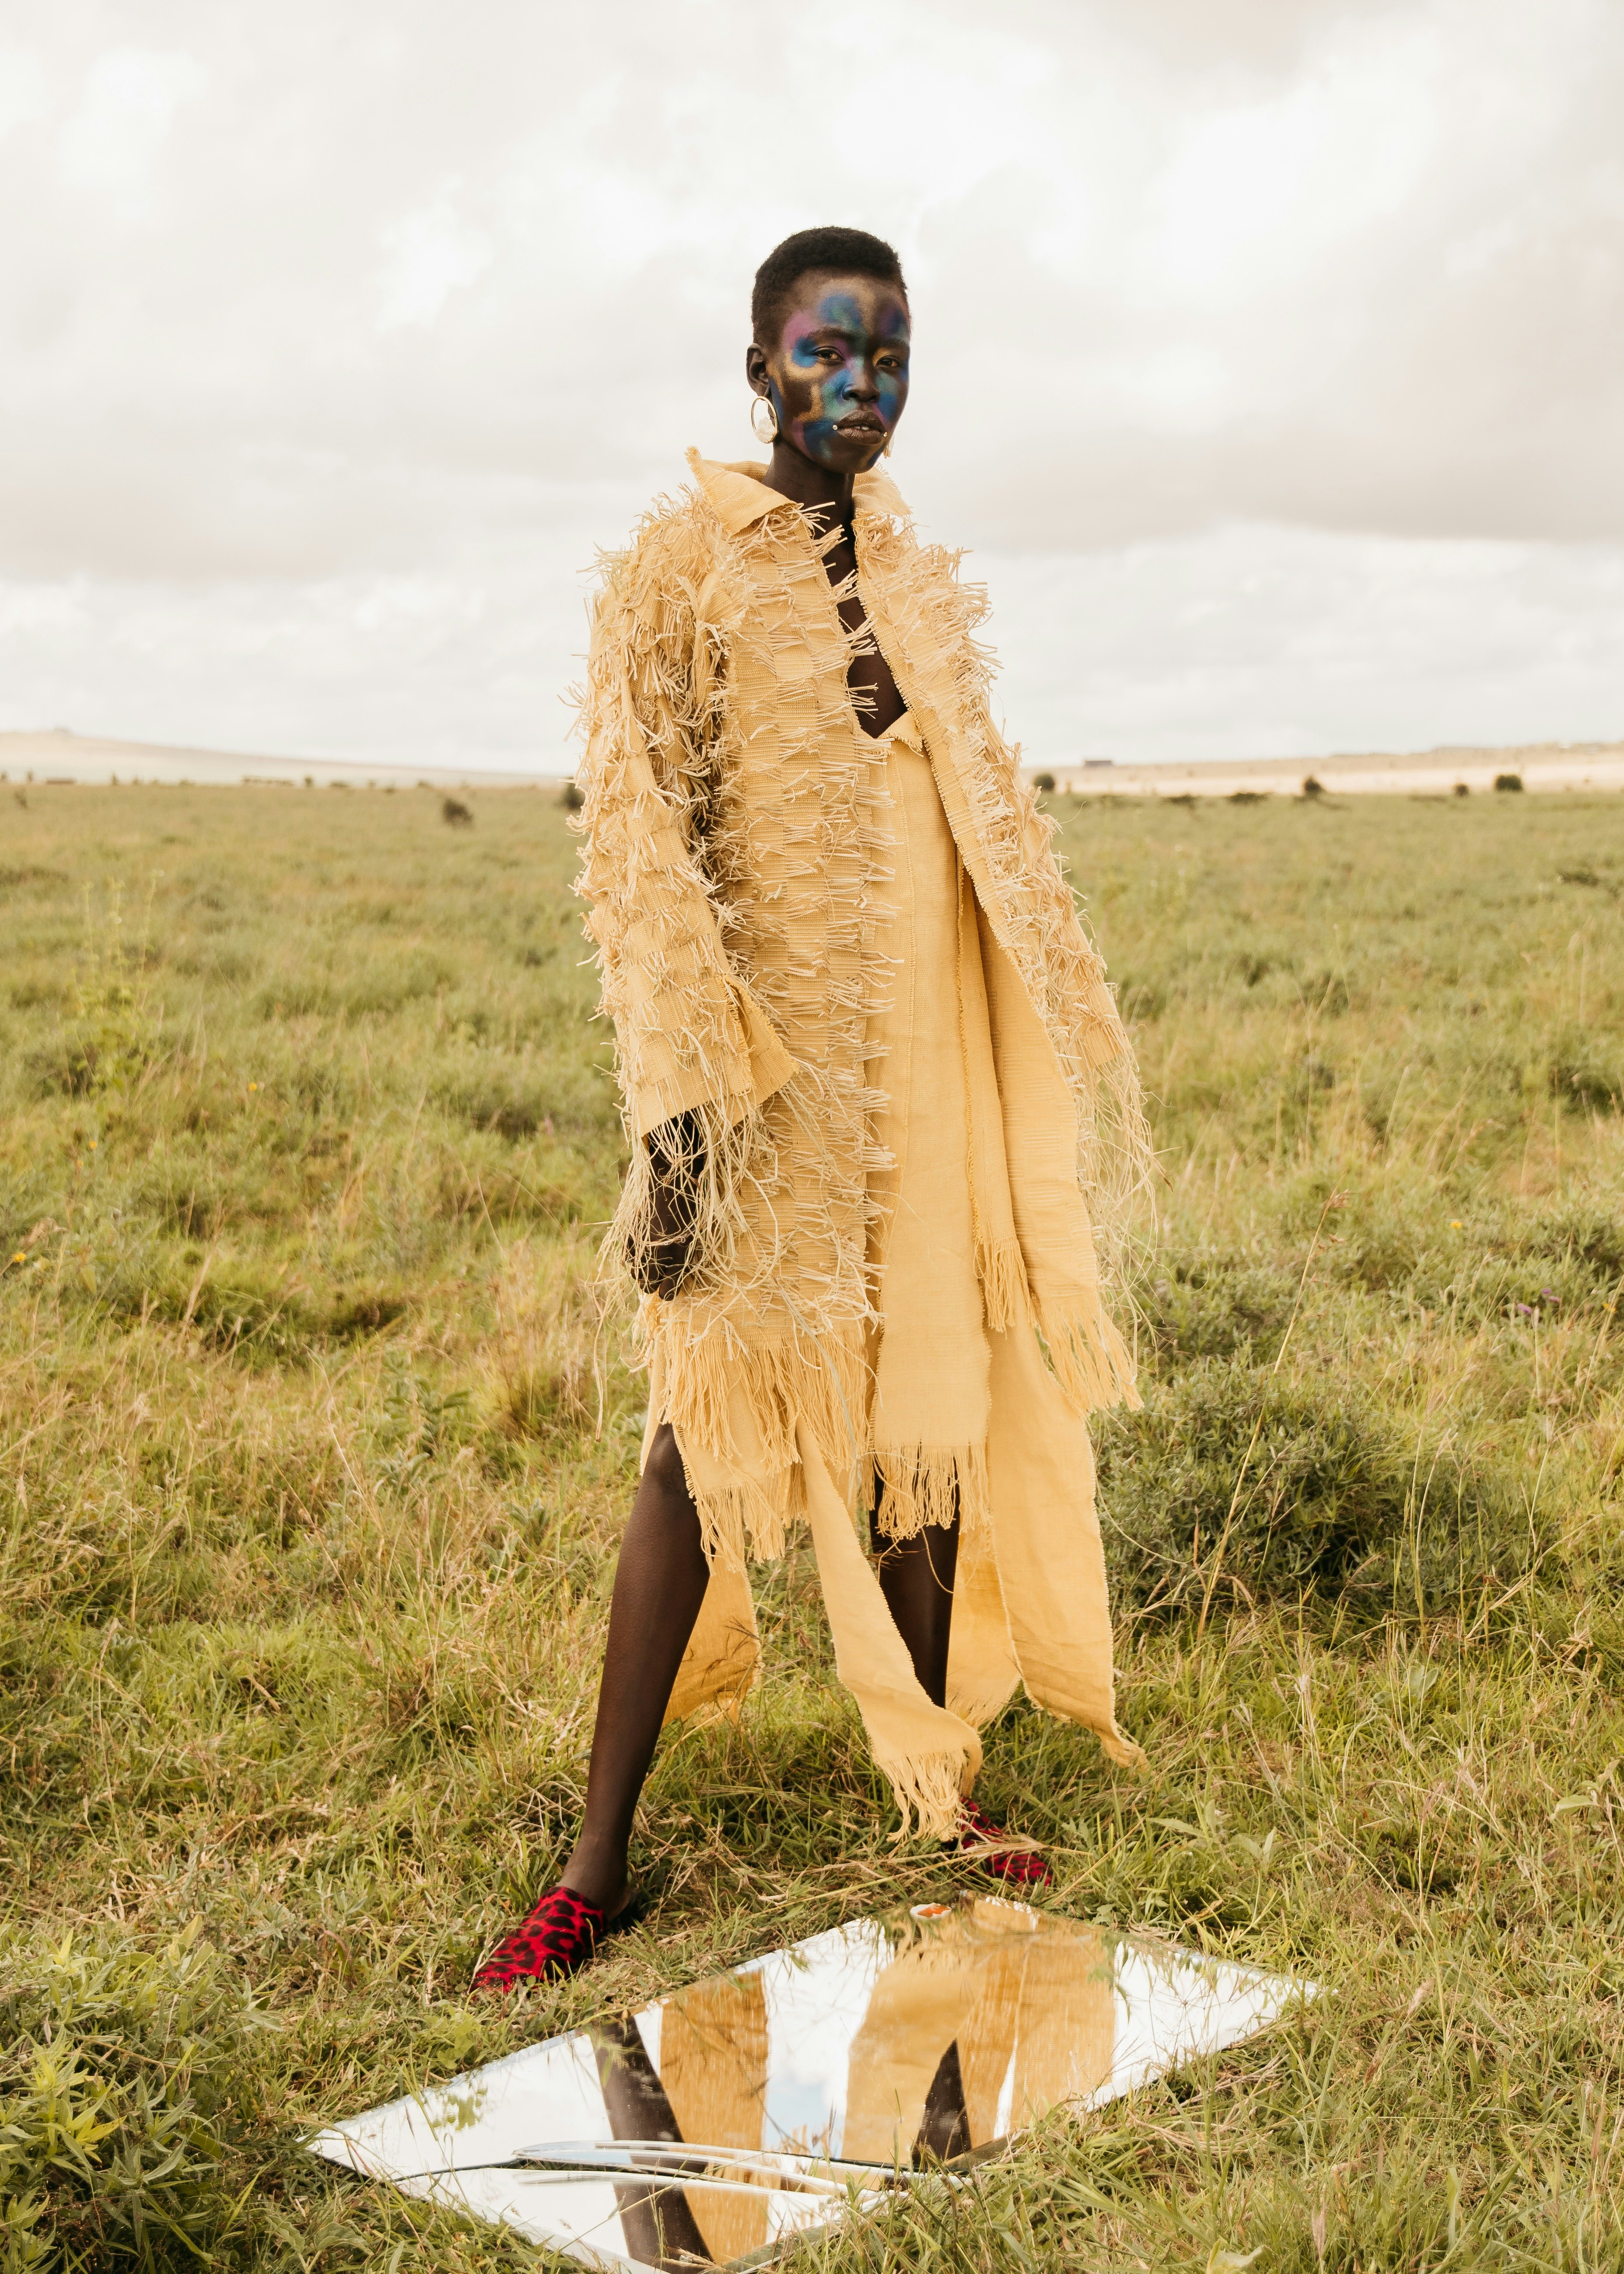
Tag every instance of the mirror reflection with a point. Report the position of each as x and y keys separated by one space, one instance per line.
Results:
x=729 y=2115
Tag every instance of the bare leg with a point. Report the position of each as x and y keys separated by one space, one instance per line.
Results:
x=916 y=1577
x=659 y=1584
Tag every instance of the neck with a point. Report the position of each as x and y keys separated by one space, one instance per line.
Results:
x=799 y=478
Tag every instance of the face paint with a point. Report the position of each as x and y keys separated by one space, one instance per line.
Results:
x=840 y=380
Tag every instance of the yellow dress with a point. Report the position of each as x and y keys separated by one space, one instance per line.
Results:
x=955 y=1414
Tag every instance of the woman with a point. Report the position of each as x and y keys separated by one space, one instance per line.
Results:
x=871 y=1072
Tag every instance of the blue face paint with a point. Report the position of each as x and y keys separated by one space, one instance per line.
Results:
x=841 y=378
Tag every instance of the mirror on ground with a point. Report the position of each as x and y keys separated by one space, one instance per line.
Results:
x=730 y=2116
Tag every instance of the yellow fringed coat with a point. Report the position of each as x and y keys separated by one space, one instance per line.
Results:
x=738 y=833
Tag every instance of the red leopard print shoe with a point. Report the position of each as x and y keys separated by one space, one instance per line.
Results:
x=560 y=1936
x=982 y=1841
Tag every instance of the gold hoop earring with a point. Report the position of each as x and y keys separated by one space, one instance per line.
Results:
x=764 y=402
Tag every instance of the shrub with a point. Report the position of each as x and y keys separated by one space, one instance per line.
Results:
x=571 y=798
x=455 y=814
x=1586 y=1070
x=1312 y=788
x=122 y=2079
x=1241 y=1485
x=1206 y=1306
x=1509 y=781
x=1044 y=785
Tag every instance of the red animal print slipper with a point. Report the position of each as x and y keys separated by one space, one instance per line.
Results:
x=559 y=1937
x=1016 y=1862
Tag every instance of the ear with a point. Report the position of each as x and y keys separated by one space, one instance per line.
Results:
x=756 y=367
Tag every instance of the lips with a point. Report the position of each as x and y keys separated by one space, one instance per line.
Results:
x=862 y=429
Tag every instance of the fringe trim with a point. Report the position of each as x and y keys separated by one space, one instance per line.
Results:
x=1002 y=1271
x=931 y=1484
x=1093 y=1365
x=781 y=1383
x=716 y=1162
x=743 y=1523
x=928 y=1786
x=945 y=671
x=820 y=1381
x=1122 y=1750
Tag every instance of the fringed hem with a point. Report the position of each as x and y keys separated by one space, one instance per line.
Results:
x=782 y=1383
x=1002 y=1271
x=1122 y=1750
x=931 y=1484
x=1093 y=1365
x=929 y=1787
x=743 y=1523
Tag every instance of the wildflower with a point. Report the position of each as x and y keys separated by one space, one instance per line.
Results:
x=254 y=1084
x=1455 y=1224
x=19 y=1257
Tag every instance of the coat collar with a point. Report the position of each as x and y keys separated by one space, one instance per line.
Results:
x=740 y=497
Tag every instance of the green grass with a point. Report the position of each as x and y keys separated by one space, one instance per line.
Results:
x=313 y=1455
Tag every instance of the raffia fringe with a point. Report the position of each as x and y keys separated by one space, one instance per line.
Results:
x=717 y=1175
x=931 y=1484
x=743 y=1522
x=1093 y=1365
x=1121 y=1749
x=1002 y=1271
x=928 y=1786
x=935 y=618
x=782 y=1383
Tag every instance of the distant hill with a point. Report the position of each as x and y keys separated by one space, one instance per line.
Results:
x=56 y=755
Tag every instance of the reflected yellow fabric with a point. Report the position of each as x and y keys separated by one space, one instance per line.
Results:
x=713 y=2066
x=1004 y=1994
x=919 y=2004
x=1065 y=2027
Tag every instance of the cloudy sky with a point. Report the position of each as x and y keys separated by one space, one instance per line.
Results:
x=1267 y=352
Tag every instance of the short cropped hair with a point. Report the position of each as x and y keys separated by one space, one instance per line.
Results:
x=851 y=251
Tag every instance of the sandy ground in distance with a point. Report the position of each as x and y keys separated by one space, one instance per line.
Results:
x=1542 y=766
x=63 y=758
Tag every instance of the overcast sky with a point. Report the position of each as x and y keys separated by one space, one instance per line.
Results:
x=1268 y=354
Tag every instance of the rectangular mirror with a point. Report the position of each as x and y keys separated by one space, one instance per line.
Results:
x=717 y=2123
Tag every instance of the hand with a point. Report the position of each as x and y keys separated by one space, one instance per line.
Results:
x=677 y=1156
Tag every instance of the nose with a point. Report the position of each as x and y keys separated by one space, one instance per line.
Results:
x=862 y=386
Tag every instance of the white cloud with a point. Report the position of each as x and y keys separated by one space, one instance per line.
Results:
x=430 y=253
x=1263 y=196
x=24 y=90
x=314 y=318
x=130 y=101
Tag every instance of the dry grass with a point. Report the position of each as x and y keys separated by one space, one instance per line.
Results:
x=313 y=1463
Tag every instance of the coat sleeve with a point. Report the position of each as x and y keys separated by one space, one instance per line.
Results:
x=691 y=1036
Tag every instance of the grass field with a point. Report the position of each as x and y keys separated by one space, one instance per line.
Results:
x=313 y=1460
